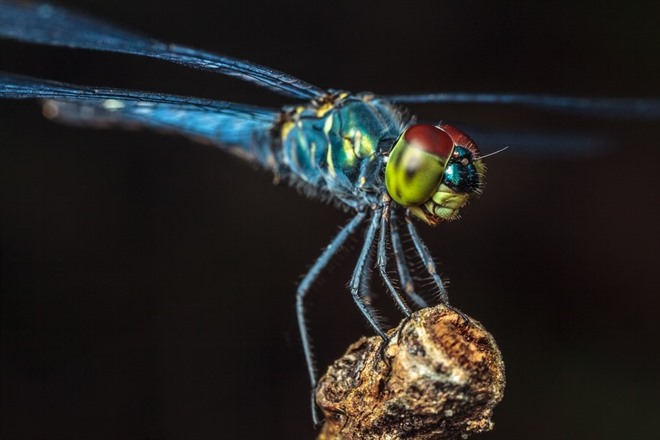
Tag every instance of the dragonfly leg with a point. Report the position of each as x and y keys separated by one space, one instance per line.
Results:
x=429 y=264
x=304 y=287
x=402 y=265
x=381 y=262
x=427 y=259
x=357 y=284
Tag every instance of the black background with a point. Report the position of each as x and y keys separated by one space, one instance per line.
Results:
x=148 y=282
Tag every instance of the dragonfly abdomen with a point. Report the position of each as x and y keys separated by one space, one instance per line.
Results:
x=335 y=145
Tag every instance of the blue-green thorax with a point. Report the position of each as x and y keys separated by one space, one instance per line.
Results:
x=336 y=145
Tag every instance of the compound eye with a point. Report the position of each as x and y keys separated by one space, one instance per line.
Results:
x=416 y=164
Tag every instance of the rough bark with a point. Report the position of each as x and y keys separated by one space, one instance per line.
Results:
x=439 y=377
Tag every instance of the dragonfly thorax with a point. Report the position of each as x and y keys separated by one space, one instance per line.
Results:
x=336 y=146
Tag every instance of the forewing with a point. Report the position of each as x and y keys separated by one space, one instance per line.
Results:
x=54 y=26
x=616 y=108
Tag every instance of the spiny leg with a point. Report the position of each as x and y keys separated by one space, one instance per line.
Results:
x=381 y=262
x=357 y=285
x=304 y=287
x=401 y=263
x=428 y=262
x=427 y=259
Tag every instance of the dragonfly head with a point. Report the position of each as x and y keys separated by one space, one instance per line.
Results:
x=434 y=171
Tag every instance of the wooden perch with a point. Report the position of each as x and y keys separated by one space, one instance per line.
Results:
x=439 y=377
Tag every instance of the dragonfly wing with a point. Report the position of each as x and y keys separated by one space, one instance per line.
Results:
x=54 y=26
x=242 y=129
x=617 y=108
x=540 y=143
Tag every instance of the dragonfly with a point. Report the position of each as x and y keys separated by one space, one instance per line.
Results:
x=358 y=151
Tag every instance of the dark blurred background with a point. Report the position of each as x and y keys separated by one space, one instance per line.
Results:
x=148 y=282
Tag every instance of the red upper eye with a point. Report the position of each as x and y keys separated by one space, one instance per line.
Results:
x=459 y=138
x=433 y=140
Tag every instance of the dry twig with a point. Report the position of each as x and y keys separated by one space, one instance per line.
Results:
x=438 y=378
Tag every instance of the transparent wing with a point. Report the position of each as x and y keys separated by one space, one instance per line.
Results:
x=619 y=108
x=227 y=125
x=53 y=26
x=537 y=142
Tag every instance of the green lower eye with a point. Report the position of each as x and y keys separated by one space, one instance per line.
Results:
x=416 y=164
